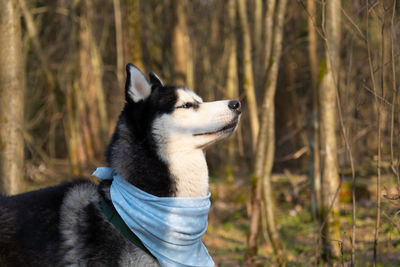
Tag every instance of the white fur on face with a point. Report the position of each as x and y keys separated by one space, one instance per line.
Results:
x=186 y=95
x=196 y=127
x=183 y=134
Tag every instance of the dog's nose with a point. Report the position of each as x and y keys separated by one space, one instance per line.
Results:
x=234 y=105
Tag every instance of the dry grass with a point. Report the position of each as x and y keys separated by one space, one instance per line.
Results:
x=226 y=236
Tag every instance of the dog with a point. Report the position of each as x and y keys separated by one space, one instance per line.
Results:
x=157 y=146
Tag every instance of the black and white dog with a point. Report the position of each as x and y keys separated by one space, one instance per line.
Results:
x=158 y=146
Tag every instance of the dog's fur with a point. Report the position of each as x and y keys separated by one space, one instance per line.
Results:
x=158 y=145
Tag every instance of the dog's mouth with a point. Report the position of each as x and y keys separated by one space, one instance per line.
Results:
x=227 y=128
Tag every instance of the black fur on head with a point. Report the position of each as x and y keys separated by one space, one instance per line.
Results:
x=132 y=152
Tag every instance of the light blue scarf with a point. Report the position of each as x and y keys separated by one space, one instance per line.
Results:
x=169 y=227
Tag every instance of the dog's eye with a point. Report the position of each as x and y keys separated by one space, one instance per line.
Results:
x=186 y=105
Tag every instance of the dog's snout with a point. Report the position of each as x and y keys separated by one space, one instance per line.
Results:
x=235 y=105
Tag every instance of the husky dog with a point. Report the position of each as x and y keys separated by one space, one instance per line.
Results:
x=158 y=146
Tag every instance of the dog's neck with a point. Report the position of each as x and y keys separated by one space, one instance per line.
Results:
x=189 y=170
x=171 y=170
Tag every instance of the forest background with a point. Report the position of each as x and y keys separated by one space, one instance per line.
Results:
x=312 y=174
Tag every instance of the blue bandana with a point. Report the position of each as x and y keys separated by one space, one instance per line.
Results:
x=170 y=227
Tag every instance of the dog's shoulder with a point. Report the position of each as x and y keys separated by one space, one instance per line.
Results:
x=87 y=235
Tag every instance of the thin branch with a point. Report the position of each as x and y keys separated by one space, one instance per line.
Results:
x=320 y=33
x=376 y=95
x=390 y=219
x=378 y=180
x=395 y=169
x=295 y=155
x=118 y=41
x=353 y=23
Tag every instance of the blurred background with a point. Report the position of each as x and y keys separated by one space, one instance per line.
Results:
x=312 y=174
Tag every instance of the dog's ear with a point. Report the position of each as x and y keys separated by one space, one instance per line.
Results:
x=155 y=80
x=137 y=88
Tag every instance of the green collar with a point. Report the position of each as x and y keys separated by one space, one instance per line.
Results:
x=116 y=220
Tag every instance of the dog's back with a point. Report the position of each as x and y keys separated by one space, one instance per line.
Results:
x=62 y=226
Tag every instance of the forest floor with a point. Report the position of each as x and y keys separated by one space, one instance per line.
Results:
x=228 y=224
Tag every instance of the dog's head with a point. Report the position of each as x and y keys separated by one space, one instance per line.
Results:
x=161 y=132
x=178 y=114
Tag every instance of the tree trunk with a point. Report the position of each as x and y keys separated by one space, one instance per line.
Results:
x=269 y=27
x=133 y=43
x=327 y=94
x=232 y=85
x=181 y=47
x=248 y=73
x=256 y=189
x=256 y=195
x=258 y=47
x=315 y=138
x=72 y=128
x=258 y=12
x=269 y=111
x=12 y=86
x=91 y=105
x=315 y=162
x=69 y=83
x=51 y=79
x=262 y=191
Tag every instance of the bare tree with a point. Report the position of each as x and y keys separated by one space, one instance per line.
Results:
x=232 y=80
x=329 y=81
x=91 y=72
x=181 y=47
x=12 y=86
x=269 y=113
x=262 y=191
x=313 y=59
x=248 y=72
